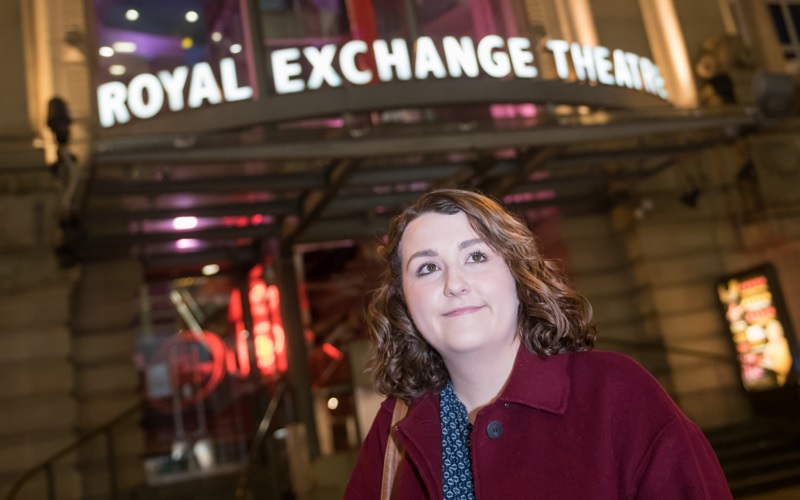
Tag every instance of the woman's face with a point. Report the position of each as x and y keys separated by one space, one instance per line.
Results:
x=460 y=293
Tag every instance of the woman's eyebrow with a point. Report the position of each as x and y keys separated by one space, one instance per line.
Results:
x=469 y=243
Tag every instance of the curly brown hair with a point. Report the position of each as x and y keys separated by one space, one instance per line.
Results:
x=553 y=317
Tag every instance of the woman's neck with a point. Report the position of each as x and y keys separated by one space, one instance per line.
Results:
x=479 y=378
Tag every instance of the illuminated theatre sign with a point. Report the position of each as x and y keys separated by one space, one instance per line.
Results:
x=332 y=65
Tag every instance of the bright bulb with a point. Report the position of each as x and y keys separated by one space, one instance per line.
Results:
x=333 y=403
x=106 y=51
x=183 y=223
x=216 y=36
x=192 y=16
x=185 y=243
x=236 y=48
x=210 y=269
x=124 y=47
x=117 y=69
x=132 y=14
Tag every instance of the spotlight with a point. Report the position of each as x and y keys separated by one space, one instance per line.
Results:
x=774 y=93
x=690 y=197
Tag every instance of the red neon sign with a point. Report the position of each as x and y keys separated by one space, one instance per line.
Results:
x=269 y=336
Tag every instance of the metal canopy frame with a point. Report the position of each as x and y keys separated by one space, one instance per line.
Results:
x=315 y=186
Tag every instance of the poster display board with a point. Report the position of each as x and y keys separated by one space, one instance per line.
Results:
x=754 y=311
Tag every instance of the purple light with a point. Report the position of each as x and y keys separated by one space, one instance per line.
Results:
x=187 y=243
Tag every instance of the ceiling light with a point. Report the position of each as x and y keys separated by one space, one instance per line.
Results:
x=186 y=243
x=210 y=269
x=187 y=42
x=182 y=223
x=106 y=51
x=132 y=14
x=192 y=16
x=235 y=48
x=216 y=36
x=124 y=47
x=117 y=69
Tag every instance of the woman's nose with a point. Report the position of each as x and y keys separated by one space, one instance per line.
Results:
x=455 y=283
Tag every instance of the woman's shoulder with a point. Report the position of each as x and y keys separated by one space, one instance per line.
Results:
x=617 y=375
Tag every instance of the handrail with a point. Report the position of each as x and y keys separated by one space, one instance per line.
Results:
x=258 y=440
x=656 y=346
x=47 y=464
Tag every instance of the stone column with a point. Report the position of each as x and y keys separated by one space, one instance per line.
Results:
x=38 y=411
x=107 y=383
x=670 y=51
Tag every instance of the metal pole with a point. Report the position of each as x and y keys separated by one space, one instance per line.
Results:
x=410 y=7
x=247 y=320
x=254 y=376
x=112 y=464
x=299 y=377
x=51 y=486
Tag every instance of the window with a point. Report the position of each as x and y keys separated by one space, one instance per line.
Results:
x=785 y=16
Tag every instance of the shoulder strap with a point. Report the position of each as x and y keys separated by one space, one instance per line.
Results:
x=392 y=458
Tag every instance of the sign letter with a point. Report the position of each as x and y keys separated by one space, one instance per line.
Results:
x=230 y=82
x=522 y=57
x=111 y=106
x=155 y=95
x=322 y=71
x=427 y=60
x=622 y=73
x=603 y=65
x=397 y=58
x=460 y=56
x=559 y=49
x=496 y=64
x=174 y=83
x=203 y=86
x=347 y=62
x=583 y=62
x=284 y=67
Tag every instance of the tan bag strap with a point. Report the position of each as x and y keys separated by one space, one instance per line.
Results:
x=392 y=458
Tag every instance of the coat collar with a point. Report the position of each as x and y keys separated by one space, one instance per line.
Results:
x=542 y=382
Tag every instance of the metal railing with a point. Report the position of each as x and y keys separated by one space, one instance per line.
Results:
x=258 y=440
x=46 y=466
x=667 y=349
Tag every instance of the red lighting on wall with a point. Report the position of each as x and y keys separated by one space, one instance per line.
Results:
x=269 y=336
x=332 y=351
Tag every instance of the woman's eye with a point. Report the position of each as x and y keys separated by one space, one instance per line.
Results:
x=426 y=268
x=476 y=257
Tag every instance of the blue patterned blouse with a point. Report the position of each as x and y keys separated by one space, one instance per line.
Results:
x=456 y=459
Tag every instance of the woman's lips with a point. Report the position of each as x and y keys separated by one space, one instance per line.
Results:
x=460 y=311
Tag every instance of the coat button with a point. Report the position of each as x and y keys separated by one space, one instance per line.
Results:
x=494 y=429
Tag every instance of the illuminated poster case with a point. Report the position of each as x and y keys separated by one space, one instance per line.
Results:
x=754 y=311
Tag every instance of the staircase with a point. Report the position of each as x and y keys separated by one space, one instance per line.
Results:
x=759 y=456
x=330 y=477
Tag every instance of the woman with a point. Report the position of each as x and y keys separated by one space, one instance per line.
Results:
x=491 y=348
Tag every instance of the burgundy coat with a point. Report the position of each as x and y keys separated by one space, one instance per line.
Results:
x=570 y=426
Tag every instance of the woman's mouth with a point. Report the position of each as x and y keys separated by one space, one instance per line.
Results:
x=460 y=311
